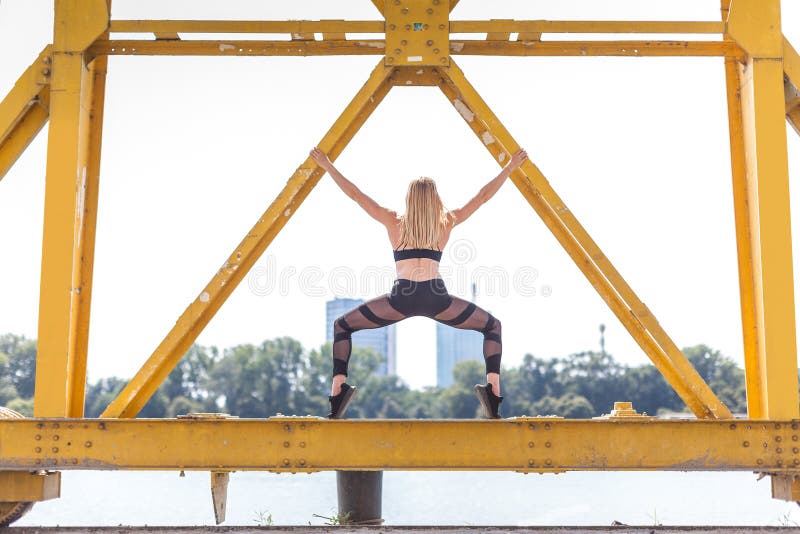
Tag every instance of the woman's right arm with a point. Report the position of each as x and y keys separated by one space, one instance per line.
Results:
x=488 y=191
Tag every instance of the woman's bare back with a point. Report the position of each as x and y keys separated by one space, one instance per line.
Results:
x=416 y=268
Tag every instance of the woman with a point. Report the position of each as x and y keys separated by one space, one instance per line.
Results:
x=417 y=238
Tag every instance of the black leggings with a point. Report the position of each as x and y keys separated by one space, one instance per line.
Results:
x=410 y=298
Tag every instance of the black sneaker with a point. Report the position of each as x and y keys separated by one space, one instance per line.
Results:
x=340 y=402
x=489 y=401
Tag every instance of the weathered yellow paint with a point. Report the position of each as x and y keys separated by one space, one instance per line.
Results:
x=610 y=285
x=297 y=444
x=757 y=27
x=25 y=486
x=203 y=308
x=456 y=26
x=84 y=258
x=24 y=111
x=755 y=24
x=376 y=47
x=744 y=243
x=77 y=24
x=247 y=26
x=744 y=228
x=417 y=32
x=585 y=26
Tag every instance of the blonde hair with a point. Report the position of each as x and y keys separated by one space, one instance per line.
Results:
x=425 y=218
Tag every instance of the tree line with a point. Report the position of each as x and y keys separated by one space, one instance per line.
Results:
x=280 y=376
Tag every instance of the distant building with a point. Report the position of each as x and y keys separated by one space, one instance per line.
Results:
x=382 y=340
x=454 y=345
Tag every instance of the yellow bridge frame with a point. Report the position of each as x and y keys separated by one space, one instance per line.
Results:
x=66 y=85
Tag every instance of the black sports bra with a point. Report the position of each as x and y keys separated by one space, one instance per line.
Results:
x=408 y=253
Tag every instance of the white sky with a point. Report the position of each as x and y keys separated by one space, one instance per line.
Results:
x=195 y=149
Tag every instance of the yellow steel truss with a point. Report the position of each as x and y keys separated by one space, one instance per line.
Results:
x=66 y=84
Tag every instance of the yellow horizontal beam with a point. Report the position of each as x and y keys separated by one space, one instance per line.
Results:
x=583 y=26
x=377 y=47
x=294 y=444
x=247 y=26
x=378 y=26
x=24 y=486
x=596 y=48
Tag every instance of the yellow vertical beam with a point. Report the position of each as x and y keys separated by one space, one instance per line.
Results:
x=77 y=23
x=749 y=304
x=136 y=393
x=633 y=314
x=756 y=26
x=84 y=252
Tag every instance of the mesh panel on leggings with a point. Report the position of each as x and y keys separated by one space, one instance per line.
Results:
x=466 y=315
x=372 y=314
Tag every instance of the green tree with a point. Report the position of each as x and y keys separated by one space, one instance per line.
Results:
x=21 y=364
x=722 y=375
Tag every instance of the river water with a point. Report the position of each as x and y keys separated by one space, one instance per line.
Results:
x=415 y=498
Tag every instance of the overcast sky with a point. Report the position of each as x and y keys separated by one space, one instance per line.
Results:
x=195 y=149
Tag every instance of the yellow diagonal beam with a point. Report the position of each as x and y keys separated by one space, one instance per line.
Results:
x=24 y=111
x=134 y=396
x=378 y=5
x=631 y=311
x=791 y=69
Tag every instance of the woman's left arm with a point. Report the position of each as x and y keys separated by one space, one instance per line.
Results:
x=383 y=215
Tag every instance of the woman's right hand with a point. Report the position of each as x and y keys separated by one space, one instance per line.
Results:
x=517 y=159
x=321 y=158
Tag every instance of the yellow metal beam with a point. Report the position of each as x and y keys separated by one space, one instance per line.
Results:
x=25 y=130
x=619 y=296
x=596 y=48
x=379 y=4
x=376 y=47
x=24 y=486
x=791 y=69
x=58 y=372
x=303 y=444
x=84 y=257
x=131 y=400
x=756 y=25
x=791 y=63
x=247 y=26
x=585 y=26
x=24 y=111
x=744 y=243
x=378 y=26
